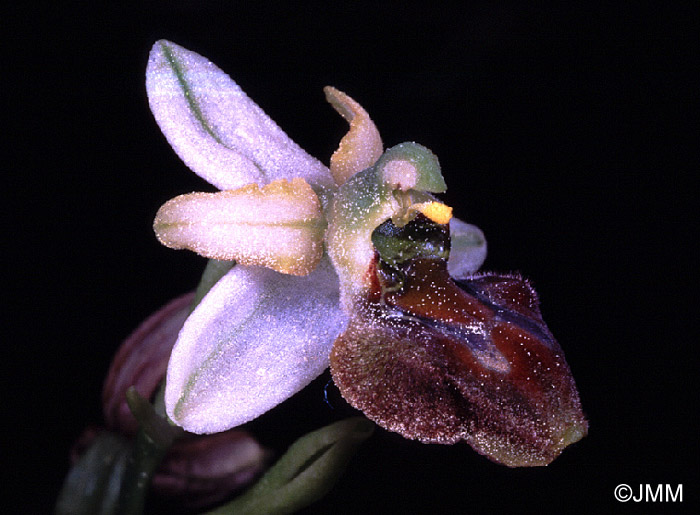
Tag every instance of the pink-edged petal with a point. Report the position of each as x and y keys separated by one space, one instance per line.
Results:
x=220 y=133
x=279 y=226
x=257 y=338
x=467 y=248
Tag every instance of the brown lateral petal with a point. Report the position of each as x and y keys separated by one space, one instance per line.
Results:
x=441 y=362
x=141 y=361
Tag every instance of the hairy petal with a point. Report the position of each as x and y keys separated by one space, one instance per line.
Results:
x=257 y=338
x=220 y=133
x=361 y=146
x=467 y=248
x=279 y=226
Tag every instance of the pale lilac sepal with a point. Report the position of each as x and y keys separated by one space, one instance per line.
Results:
x=257 y=338
x=220 y=133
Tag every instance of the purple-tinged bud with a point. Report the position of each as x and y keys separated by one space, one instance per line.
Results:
x=141 y=361
x=200 y=471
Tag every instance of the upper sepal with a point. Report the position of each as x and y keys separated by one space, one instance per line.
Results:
x=220 y=133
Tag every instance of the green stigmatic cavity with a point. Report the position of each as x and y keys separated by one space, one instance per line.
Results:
x=420 y=238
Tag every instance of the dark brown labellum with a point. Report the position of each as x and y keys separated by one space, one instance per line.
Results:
x=440 y=361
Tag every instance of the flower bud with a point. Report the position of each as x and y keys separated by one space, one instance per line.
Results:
x=141 y=361
x=197 y=471
x=200 y=471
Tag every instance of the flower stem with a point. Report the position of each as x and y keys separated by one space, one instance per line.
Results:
x=153 y=440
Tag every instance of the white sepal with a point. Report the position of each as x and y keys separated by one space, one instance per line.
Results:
x=220 y=133
x=257 y=338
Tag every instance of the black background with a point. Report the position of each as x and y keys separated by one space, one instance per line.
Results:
x=565 y=133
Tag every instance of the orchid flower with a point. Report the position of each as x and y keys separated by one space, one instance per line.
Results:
x=357 y=265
